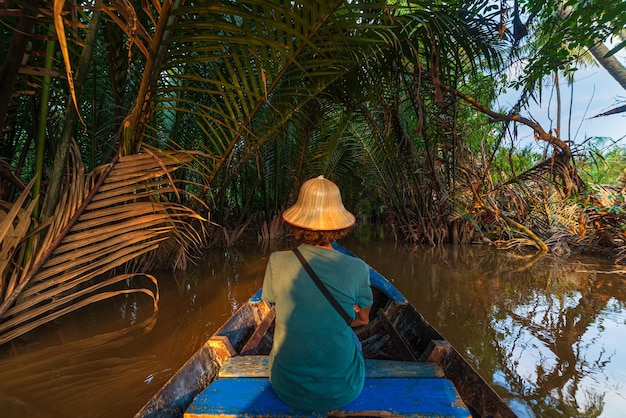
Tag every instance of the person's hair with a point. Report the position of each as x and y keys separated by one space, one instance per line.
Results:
x=311 y=237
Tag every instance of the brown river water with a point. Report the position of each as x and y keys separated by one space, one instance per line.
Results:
x=548 y=333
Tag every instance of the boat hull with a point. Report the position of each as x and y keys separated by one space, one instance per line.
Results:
x=397 y=332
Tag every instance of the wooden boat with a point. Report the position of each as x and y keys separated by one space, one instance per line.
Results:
x=411 y=370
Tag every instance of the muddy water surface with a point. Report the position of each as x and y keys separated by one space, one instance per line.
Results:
x=548 y=333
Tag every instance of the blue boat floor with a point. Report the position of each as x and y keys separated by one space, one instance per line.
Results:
x=392 y=389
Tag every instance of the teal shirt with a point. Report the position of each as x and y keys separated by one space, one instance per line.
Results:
x=316 y=362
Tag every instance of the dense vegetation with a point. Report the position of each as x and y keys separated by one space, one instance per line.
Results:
x=136 y=133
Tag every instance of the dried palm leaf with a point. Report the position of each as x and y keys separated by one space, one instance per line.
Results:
x=14 y=226
x=105 y=221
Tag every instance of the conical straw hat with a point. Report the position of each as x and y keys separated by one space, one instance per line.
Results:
x=319 y=207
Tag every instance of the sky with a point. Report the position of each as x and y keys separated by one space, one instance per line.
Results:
x=595 y=92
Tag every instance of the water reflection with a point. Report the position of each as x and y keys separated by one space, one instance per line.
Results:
x=546 y=332
x=108 y=359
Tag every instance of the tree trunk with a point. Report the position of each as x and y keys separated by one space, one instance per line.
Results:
x=69 y=123
x=610 y=64
x=558 y=103
x=598 y=50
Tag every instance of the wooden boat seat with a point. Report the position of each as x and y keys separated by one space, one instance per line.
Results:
x=256 y=366
x=391 y=389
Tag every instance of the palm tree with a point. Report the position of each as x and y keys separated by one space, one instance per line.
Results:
x=173 y=109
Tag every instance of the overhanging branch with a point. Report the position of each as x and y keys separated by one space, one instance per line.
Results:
x=540 y=133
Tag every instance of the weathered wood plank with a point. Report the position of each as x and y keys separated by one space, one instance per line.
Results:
x=240 y=326
x=256 y=366
x=403 y=349
x=222 y=346
x=259 y=333
x=398 y=397
x=180 y=390
x=436 y=351
x=375 y=369
x=245 y=366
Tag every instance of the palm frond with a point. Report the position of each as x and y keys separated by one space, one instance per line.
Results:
x=245 y=70
x=106 y=220
x=14 y=227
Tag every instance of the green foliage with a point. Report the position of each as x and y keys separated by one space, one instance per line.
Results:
x=604 y=165
x=254 y=97
x=560 y=31
x=511 y=162
x=274 y=93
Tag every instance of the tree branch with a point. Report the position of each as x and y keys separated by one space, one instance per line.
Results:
x=540 y=133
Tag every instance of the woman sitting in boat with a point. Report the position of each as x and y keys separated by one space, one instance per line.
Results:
x=316 y=362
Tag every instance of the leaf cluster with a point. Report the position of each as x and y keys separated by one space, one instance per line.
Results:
x=560 y=33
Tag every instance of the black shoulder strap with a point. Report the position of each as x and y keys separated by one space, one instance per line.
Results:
x=321 y=286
